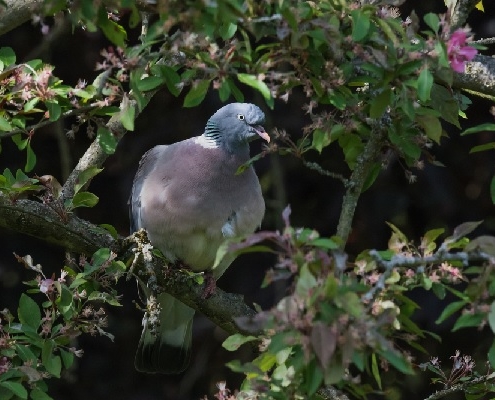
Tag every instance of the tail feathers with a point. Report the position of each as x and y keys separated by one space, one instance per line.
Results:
x=168 y=349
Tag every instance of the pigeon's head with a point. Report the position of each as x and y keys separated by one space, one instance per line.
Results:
x=236 y=124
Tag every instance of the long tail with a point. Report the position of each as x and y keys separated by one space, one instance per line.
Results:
x=167 y=350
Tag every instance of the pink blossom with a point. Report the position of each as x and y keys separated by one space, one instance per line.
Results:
x=458 y=52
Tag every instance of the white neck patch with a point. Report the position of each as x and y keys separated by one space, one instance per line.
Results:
x=206 y=142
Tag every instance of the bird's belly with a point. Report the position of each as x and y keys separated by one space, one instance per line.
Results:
x=196 y=250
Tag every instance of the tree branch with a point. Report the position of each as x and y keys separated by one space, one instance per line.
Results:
x=16 y=13
x=479 y=76
x=358 y=177
x=75 y=234
x=70 y=113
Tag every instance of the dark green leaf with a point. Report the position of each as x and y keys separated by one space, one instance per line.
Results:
x=38 y=394
x=360 y=24
x=482 y=147
x=491 y=354
x=127 y=114
x=479 y=128
x=5 y=125
x=54 y=110
x=443 y=101
x=397 y=360
x=375 y=371
x=449 y=310
x=85 y=176
x=196 y=94
x=84 y=199
x=113 y=31
x=67 y=358
x=321 y=139
x=425 y=84
x=432 y=21
x=106 y=140
x=468 y=321
x=431 y=125
x=172 y=79
x=492 y=189
x=16 y=388
x=7 y=57
x=51 y=362
x=149 y=83
x=380 y=103
x=31 y=158
x=29 y=312
x=233 y=342
x=259 y=85
x=491 y=317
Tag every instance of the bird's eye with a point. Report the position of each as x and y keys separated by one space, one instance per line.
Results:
x=240 y=117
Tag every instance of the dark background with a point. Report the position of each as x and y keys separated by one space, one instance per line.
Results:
x=441 y=197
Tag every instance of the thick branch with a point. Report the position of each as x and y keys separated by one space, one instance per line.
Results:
x=479 y=76
x=16 y=13
x=358 y=177
x=460 y=13
x=75 y=234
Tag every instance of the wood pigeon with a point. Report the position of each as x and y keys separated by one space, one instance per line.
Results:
x=189 y=198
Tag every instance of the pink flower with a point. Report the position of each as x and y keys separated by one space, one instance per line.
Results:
x=458 y=52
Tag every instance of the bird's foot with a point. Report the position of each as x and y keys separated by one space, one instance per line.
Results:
x=210 y=285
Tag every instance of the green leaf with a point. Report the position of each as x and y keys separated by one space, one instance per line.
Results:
x=104 y=297
x=51 y=362
x=491 y=354
x=5 y=125
x=375 y=371
x=172 y=79
x=38 y=394
x=431 y=125
x=468 y=321
x=491 y=317
x=444 y=102
x=16 y=388
x=85 y=176
x=449 y=310
x=54 y=110
x=380 y=103
x=233 y=342
x=482 y=147
x=106 y=140
x=149 y=83
x=425 y=84
x=306 y=281
x=321 y=139
x=84 y=199
x=127 y=114
x=29 y=312
x=7 y=56
x=432 y=21
x=492 y=189
x=479 y=128
x=227 y=30
x=259 y=85
x=360 y=24
x=111 y=230
x=31 y=158
x=113 y=31
x=397 y=360
x=67 y=358
x=196 y=94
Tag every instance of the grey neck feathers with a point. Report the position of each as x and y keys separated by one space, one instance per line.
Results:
x=213 y=138
x=212 y=134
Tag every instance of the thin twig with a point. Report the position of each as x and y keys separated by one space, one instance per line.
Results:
x=41 y=124
x=317 y=167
